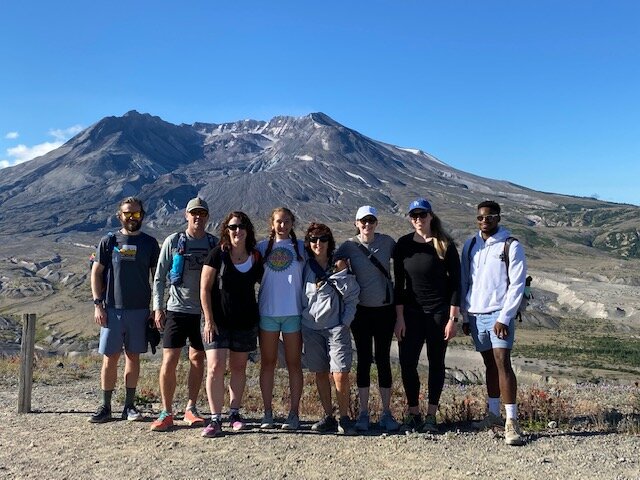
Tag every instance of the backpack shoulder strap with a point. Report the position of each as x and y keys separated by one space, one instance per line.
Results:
x=505 y=255
x=182 y=243
x=212 y=241
x=223 y=267
x=373 y=260
x=321 y=275
x=471 y=245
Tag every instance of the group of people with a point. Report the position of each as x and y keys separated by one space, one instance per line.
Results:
x=316 y=297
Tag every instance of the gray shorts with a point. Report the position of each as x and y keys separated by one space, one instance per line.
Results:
x=125 y=328
x=327 y=350
x=481 y=326
x=234 y=339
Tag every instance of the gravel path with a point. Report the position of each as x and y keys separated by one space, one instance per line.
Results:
x=57 y=442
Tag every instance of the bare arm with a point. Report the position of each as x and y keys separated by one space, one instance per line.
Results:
x=97 y=290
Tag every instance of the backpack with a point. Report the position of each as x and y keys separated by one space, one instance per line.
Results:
x=505 y=258
x=112 y=244
x=177 y=263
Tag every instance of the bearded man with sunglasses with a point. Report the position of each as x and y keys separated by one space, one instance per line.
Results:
x=492 y=287
x=181 y=259
x=128 y=257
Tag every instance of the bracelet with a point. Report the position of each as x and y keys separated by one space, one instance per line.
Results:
x=454 y=318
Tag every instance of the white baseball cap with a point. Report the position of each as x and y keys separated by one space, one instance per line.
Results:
x=365 y=212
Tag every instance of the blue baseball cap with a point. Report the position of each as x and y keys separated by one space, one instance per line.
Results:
x=420 y=204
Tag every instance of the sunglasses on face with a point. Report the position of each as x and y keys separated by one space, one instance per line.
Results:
x=235 y=226
x=199 y=213
x=487 y=218
x=321 y=238
x=421 y=215
x=134 y=215
x=369 y=220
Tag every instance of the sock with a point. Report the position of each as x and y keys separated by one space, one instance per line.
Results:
x=106 y=398
x=512 y=411
x=494 y=405
x=234 y=411
x=216 y=417
x=130 y=396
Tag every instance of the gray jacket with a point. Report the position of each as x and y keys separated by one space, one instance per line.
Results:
x=322 y=307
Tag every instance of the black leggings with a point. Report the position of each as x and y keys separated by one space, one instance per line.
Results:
x=420 y=328
x=373 y=323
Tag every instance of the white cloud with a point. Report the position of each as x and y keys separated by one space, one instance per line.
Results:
x=12 y=135
x=23 y=153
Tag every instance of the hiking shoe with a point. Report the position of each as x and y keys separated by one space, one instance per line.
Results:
x=267 y=421
x=131 y=414
x=388 y=423
x=192 y=417
x=512 y=433
x=292 y=422
x=430 y=425
x=102 y=415
x=325 y=424
x=490 y=421
x=236 y=422
x=163 y=423
x=345 y=427
x=412 y=422
x=214 y=429
x=362 y=424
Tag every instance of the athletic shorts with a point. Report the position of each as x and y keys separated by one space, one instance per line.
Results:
x=234 y=339
x=180 y=326
x=327 y=350
x=290 y=324
x=125 y=328
x=484 y=338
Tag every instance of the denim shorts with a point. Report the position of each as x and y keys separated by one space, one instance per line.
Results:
x=126 y=328
x=327 y=350
x=290 y=324
x=481 y=326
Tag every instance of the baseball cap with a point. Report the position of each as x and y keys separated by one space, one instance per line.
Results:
x=420 y=204
x=196 y=203
x=366 y=211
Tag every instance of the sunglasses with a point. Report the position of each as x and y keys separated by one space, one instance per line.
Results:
x=321 y=238
x=235 y=226
x=421 y=215
x=487 y=218
x=134 y=215
x=199 y=213
x=368 y=220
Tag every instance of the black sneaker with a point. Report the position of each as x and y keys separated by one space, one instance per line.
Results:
x=345 y=426
x=102 y=415
x=326 y=424
x=412 y=422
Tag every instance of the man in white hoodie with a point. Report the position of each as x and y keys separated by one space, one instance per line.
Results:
x=493 y=280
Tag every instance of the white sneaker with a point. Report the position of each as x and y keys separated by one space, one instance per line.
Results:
x=292 y=423
x=490 y=421
x=512 y=433
x=131 y=414
x=267 y=421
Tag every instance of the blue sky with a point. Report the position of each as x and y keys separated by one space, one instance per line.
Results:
x=545 y=94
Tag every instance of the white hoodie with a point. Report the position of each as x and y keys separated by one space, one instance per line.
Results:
x=484 y=277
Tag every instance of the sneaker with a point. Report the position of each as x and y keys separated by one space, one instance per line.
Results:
x=214 y=429
x=345 y=427
x=430 y=425
x=388 y=423
x=326 y=424
x=102 y=415
x=131 y=414
x=192 y=417
x=267 y=421
x=163 y=423
x=412 y=422
x=236 y=422
x=362 y=424
x=512 y=433
x=490 y=421
x=292 y=422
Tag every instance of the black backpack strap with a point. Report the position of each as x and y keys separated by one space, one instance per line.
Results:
x=212 y=241
x=223 y=267
x=379 y=266
x=321 y=274
x=505 y=256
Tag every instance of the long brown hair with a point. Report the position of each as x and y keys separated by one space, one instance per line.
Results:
x=292 y=234
x=225 y=239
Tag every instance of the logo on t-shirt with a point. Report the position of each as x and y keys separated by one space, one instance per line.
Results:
x=128 y=252
x=280 y=259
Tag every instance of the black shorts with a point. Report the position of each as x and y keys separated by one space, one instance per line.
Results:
x=180 y=326
x=234 y=339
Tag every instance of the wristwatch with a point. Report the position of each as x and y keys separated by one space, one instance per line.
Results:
x=98 y=301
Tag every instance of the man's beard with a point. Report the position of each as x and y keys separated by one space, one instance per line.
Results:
x=131 y=225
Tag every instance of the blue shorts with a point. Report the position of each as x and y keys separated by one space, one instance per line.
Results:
x=125 y=328
x=290 y=324
x=481 y=326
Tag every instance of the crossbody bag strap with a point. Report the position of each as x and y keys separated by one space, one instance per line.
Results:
x=379 y=266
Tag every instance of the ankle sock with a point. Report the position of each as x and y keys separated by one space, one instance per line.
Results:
x=494 y=405
x=511 y=410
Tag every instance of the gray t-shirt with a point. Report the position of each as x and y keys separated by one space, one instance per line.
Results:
x=132 y=262
x=184 y=298
x=374 y=286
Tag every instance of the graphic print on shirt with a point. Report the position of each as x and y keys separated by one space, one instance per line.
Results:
x=128 y=253
x=280 y=259
x=195 y=258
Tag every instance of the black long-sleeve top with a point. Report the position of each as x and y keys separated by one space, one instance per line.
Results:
x=424 y=280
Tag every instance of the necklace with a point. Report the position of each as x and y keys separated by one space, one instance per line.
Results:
x=239 y=257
